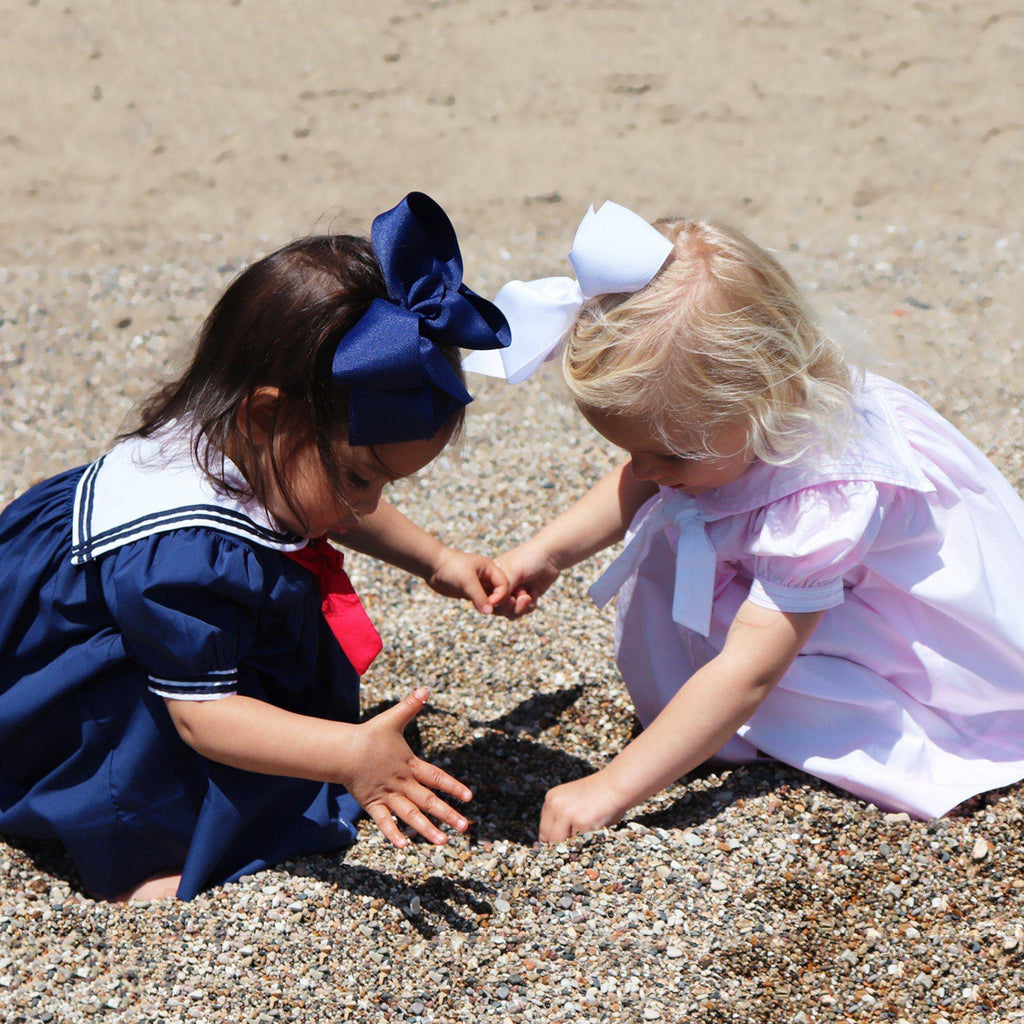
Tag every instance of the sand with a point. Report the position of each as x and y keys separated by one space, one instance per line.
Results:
x=148 y=151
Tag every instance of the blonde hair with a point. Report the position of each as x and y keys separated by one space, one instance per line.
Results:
x=721 y=335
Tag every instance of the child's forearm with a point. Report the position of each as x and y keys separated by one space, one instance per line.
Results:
x=712 y=705
x=692 y=727
x=600 y=518
x=371 y=760
x=392 y=537
x=259 y=737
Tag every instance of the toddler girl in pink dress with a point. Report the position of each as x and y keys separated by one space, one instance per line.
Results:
x=818 y=566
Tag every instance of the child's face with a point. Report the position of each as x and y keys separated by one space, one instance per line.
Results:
x=366 y=472
x=651 y=461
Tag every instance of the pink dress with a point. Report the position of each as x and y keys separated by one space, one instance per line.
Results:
x=910 y=693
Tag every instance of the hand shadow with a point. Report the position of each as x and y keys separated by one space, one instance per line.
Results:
x=511 y=770
x=510 y=778
x=508 y=770
x=536 y=713
x=422 y=903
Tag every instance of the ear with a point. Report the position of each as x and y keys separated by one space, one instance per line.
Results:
x=257 y=413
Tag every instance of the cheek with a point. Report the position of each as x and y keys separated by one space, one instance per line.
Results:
x=647 y=467
x=698 y=474
x=713 y=474
x=730 y=470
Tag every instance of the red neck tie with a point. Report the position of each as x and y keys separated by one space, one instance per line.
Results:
x=342 y=608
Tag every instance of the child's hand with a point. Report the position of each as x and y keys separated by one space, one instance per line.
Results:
x=474 y=577
x=392 y=780
x=530 y=571
x=581 y=806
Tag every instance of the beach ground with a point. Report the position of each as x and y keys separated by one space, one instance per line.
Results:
x=149 y=151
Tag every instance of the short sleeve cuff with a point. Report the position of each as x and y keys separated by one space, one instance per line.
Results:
x=781 y=598
x=212 y=686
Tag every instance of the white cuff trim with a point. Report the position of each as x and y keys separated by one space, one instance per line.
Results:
x=220 y=682
x=193 y=696
x=781 y=598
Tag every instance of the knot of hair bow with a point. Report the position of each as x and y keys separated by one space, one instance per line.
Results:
x=615 y=250
x=401 y=387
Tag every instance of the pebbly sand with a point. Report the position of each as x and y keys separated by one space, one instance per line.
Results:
x=148 y=150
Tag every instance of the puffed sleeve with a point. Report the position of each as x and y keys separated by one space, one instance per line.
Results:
x=188 y=604
x=804 y=544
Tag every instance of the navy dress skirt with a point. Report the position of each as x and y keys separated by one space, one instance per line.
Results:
x=88 y=753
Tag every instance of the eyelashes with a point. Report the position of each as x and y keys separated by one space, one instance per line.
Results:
x=360 y=483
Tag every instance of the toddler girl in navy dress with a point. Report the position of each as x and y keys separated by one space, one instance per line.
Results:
x=179 y=646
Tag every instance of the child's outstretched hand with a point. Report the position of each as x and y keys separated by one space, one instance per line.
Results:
x=584 y=805
x=474 y=577
x=530 y=570
x=392 y=780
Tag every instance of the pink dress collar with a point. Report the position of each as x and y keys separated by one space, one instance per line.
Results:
x=878 y=452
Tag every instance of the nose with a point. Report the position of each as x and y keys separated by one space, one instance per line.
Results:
x=645 y=467
x=366 y=505
x=366 y=502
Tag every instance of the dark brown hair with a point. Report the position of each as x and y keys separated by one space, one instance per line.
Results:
x=277 y=325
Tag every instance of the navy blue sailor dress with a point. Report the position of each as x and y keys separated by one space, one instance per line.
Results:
x=127 y=582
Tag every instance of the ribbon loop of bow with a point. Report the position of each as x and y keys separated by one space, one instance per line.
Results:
x=341 y=606
x=694 y=584
x=615 y=250
x=401 y=387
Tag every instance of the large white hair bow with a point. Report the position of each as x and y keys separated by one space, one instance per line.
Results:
x=615 y=250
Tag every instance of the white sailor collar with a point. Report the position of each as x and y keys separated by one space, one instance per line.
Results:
x=149 y=485
x=878 y=452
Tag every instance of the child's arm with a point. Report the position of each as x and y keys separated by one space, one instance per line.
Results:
x=601 y=517
x=371 y=759
x=715 y=701
x=393 y=537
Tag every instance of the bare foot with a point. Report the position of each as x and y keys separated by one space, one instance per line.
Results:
x=156 y=887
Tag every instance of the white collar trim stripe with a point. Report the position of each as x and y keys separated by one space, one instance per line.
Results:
x=145 y=486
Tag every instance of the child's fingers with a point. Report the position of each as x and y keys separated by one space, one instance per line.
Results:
x=498 y=583
x=415 y=818
x=512 y=574
x=516 y=604
x=406 y=710
x=554 y=828
x=388 y=826
x=503 y=603
x=430 y=803
x=477 y=594
x=433 y=777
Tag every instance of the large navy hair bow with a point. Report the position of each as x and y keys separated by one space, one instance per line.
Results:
x=401 y=387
